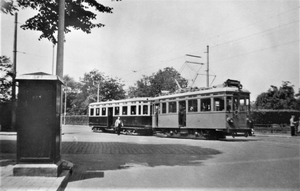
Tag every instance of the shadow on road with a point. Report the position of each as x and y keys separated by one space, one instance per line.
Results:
x=91 y=159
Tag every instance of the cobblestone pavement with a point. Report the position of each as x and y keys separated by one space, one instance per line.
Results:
x=91 y=156
x=138 y=162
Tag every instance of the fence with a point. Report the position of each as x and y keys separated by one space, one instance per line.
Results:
x=272 y=128
x=75 y=120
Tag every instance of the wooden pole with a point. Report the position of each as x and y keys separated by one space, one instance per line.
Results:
x=14 y=102
x=60 y=39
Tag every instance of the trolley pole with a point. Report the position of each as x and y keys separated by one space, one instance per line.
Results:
x=98 y=91
x=207 y=71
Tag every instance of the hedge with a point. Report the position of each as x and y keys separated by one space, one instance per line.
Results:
x=5 y=116
x=266 y=117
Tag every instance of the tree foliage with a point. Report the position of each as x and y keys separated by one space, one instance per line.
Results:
x=71 y=90
x=6 y=76
x=78 y=15
x=163 y=80
x=278 y=98
x=109 y=89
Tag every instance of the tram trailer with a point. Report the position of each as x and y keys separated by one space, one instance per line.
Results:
x=214 y=112
x=135 y=114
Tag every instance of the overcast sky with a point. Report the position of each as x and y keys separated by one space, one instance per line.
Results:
x=255 y=42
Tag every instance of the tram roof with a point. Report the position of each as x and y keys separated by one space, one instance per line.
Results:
x=174 y=95
x=124 y=100
x=206 y=91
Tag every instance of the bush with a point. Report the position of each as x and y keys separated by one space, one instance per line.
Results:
x=266 y=117
x=5 y=116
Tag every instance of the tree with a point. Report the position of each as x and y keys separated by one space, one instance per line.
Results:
x=163 y=80
x=78 y=15
x=5 y=79
x=274 y=98
x=71 y=89
x=109 y=89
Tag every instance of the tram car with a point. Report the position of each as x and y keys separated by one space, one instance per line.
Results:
x=135 y=114
x=213 y=112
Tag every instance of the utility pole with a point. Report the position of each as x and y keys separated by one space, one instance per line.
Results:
x=207 y=71
x=14 y=102
x=65 y=113
x=98 y=91
x=60 y=39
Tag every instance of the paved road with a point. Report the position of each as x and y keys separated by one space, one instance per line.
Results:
x=108 y=161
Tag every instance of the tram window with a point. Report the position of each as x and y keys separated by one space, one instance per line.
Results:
x=206 y=104
x=97 y=111
x=235 y=104
x=133 y=109
x=103 y=111
x=164 y=108
x=145 y=109
x=124 y=109
x=229 y=104
x=140 y=110
x=193 y=105
x=219 y=104
x=172 y=107
x=244 y=103
x=91 y=111
x=117 y=110
x=151 y=110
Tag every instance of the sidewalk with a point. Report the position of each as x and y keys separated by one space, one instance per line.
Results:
x=9 y=182
x=280 y=135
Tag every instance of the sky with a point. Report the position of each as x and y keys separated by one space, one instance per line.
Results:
x=255 y=42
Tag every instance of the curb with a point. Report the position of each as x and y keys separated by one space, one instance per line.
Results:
x=7 y=133
x=272 y=135
x=67 y=172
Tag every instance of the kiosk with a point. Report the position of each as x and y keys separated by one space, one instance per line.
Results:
x=38 y=125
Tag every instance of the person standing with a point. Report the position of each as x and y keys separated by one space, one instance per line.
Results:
x=297 y=126
x=292 y=125
x=118 y=125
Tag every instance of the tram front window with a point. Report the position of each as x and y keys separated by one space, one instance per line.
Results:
x=244 y=104
x=229 y=104
x=235 y=104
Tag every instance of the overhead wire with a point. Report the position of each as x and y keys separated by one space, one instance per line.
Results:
x=255 y=51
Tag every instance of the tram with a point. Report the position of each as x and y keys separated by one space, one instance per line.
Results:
x=135 y=114
x=213 y=112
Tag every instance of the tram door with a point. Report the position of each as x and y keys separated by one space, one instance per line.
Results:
x=182 y=114
x=110 y=119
